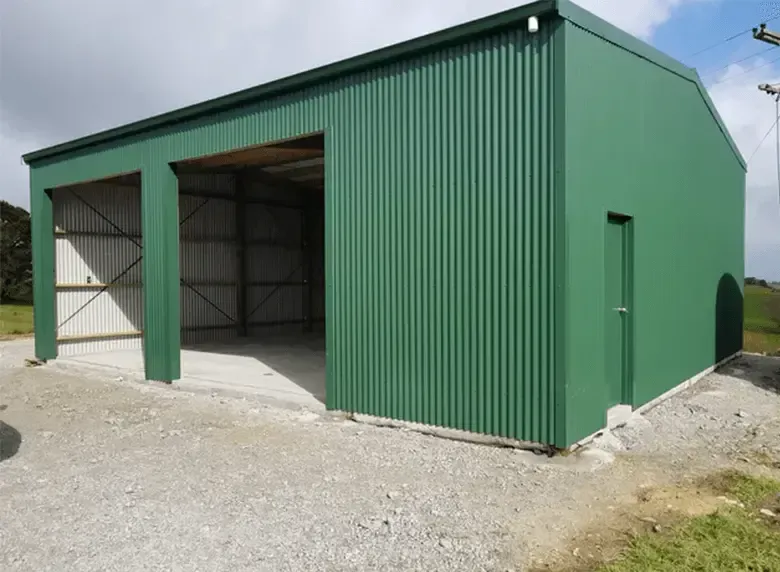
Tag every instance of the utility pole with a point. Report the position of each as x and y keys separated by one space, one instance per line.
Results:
x=768 y=36
x=770 y=89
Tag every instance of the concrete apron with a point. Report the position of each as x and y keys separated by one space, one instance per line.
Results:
x=289 y=377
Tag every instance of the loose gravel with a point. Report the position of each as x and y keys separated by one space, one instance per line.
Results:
x=114 y=475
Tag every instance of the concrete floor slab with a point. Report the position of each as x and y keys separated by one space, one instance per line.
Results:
x=289 y=369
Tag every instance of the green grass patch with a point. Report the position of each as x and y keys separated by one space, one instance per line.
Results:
x=731 y=539
x=728 y=541
x=16 y=319
x=762 y=320
x=751 y=490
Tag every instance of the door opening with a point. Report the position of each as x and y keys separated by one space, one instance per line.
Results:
x=618 y=305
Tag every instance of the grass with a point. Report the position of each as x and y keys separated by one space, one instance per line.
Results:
x=733 y=538
x=16 y=319
x=723 y=542
x=762 y=320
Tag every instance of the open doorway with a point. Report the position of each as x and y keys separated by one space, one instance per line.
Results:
x=98 y=280
x=252 y=269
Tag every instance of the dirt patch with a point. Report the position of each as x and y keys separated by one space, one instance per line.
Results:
x=652 y=510
x=765 y=458
x=664 y=510
x=14 y=337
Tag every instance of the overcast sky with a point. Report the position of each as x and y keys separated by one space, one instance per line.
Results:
x=72 y=67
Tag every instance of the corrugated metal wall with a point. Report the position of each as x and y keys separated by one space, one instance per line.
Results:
x=317 y=237
x=642 y=142
x=208 y=258
x=274 y=267
x=277 y=286
x=441 y=239
x=99 y=297
x=440 y=229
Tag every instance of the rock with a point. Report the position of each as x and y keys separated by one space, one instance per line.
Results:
x=741 y=413
x=372 y=524
x=649 y=520
x=656 y=528
x=392 y=495
x=445 y=543
x=767 y=512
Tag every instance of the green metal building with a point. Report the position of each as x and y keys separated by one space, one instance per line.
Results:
x=507 y=227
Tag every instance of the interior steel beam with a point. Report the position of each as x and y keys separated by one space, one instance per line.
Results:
x=307 y=228
x=241 y=247
x=277 y=181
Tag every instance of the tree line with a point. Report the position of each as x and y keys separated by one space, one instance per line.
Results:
x=15 y=254
x=752 y=281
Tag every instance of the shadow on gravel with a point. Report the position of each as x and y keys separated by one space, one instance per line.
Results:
x=761 y=371
x=10 y=439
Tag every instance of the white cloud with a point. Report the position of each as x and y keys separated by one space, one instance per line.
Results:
x=71 y=67
x=639 y=17
x=749 y=113
x=129 y=60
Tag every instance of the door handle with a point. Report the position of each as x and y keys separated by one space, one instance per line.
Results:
x=621 y=310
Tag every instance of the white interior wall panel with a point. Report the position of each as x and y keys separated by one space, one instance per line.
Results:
x=279 y=308
x=98 y=237
x=274 y=266
x=208 y=259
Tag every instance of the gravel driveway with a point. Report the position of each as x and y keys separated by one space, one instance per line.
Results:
x=100 y=474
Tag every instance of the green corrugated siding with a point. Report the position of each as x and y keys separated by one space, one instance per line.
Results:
x=160 y=228
x=440 y=230
x=42 y=232
x=442 y=298
x=641 y=141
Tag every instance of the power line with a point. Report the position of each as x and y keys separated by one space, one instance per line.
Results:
x=729 y=78
x=753 y=154
x=773 y=38
x=713 y=46
x=729 y=39
x=735 y=62
x=777 y=147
